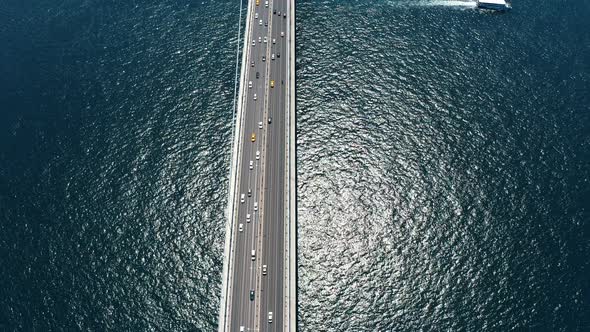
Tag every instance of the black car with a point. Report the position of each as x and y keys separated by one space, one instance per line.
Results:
x=251 y=295
x=278 y=55
x=274 y=11
x=257 y=75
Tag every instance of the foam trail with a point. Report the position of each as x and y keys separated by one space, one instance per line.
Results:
x=436 y=3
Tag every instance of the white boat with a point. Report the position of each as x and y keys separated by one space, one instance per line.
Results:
x=500 y=5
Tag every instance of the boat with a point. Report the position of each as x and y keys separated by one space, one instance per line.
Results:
x=499 y=5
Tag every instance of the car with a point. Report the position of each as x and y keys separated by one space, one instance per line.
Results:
x=257 y=75
x=248 y=217
x=242 y=199
x=241 y=227
x=263 y=58
x=265 y=40
x=284 y=15
x=260 y=125
x=253 y=137
x=249 y=192
x=278 y=55
x=266 y=4
x=253 y=254
x=282 y=33
x=251 y=164
x=252 y=64
x=279 y=13
x=274 y=41
x=253 y=42
x=251 y=295
x=259 y=39
x=263 y=269
x=269 y=119
x=274 y=11
x=254 y=99
x=256 y=16
x=258 y=153
x=260 y=22
x=257 y=2
x=272 y=83
x=266 y=23
x=270 y=316
x=242 y=329
x=255 y=206
x=272 y=56
x=250 y=85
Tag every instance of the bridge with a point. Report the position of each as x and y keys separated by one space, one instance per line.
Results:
x=259 y=272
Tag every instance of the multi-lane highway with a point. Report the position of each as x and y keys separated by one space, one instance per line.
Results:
x=255 y=298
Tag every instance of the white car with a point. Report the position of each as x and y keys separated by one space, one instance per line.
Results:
x=255 y=206
x=270 y=316
x=254 y=96
x=260 y=22
x=242 y=198
x=250 y=85
x=272 y=56
x=242 y=329
x=257 y=155
x=266 y=4
x=263 y=269
x=248 y=217
x=260 y=125
x=265 y=40
x=282 y=33
x=251 y=164
x=259 y=39
x=274 y=41
x=241 y=227
x=253 y=42
x=256 y=16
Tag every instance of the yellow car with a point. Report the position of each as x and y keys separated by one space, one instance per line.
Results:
x=257 y=2
x=253 y=137
x=272 y=83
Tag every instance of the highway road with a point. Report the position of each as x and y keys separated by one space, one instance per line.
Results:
x=261 y=176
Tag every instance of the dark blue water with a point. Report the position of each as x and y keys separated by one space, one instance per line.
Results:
x=443 y=165
x=115 y=126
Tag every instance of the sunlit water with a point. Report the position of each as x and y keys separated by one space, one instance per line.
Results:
x=443 y=167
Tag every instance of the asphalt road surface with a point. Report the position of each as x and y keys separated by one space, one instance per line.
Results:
x=264 y=233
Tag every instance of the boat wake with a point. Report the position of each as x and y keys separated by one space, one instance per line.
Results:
x=436 y=3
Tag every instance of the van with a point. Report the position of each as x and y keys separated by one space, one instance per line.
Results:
x=253 y=254
x=242 y=198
